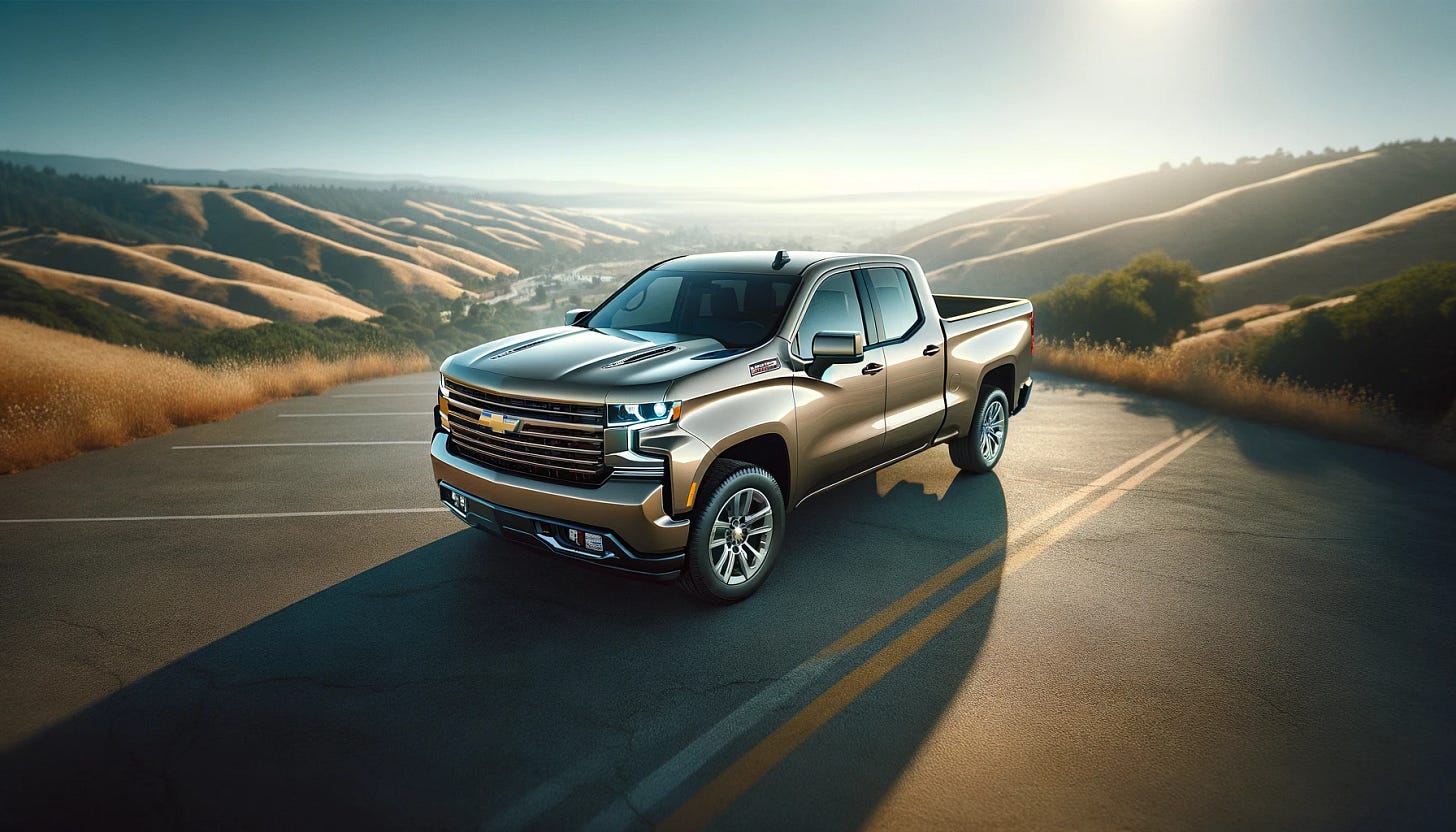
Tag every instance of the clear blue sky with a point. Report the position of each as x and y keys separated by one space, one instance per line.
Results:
x=810 y=96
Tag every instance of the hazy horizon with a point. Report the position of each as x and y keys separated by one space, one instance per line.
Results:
x=802 y=98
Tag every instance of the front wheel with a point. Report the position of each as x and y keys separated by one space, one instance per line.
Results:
x=736 y=533
x=980 y=450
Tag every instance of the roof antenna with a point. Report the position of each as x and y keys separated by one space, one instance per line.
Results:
x=780 y=259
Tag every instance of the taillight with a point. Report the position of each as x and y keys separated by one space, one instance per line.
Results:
x=1031 y=348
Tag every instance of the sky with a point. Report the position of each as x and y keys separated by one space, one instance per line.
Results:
x=780 y=97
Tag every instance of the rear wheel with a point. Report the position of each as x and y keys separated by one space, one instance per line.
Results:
x=980 y=450
x=736 y=533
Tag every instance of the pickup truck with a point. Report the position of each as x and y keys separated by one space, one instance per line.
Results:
x=669 y=431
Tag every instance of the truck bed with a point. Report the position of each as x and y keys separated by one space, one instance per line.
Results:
x=977 y=327
x=955 y=307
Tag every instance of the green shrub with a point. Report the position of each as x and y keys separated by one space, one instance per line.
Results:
x=1146 y=303
x=1301 y=301
x=1397 y=338
x=1234 y=324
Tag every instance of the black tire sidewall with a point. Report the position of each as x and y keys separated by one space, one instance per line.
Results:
x=993 y=394
x=699 y=561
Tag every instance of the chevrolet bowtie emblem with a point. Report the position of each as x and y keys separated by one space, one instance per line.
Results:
x=499 y=422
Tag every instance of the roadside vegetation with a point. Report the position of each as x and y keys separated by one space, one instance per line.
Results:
x=1146 y=303
x=64 y=393
x=1378 y=370
x=81 y=375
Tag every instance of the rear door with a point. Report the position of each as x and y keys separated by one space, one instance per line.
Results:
x=840 y=408
x=912 y=343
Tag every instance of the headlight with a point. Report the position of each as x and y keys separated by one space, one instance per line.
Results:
x=652 y=413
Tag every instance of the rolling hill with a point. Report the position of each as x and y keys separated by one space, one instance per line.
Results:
x=1261 y=231
x=1390 y=244
x=292 y=253
x=148 y=303
x=255 y=291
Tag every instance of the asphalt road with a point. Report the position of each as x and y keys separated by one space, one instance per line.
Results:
x=1143 y=619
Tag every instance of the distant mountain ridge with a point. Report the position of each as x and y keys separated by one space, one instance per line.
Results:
x=264 y=177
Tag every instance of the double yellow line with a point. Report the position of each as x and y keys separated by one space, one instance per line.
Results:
x=728 y=786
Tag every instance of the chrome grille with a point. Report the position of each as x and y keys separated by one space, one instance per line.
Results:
x=559 y=441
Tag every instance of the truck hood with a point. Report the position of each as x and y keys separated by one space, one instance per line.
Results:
x=586 y=364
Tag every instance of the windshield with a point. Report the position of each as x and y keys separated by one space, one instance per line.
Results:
x=737 y=310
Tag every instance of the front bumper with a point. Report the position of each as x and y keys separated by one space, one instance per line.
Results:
x=636 y=533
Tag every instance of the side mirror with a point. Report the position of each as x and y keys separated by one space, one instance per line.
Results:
x=574 y=316
x=838 y=347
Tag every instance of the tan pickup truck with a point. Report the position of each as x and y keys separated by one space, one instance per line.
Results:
x=669 y=431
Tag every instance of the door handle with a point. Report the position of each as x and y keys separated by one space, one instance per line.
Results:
x=931 y=350
x=872 y=369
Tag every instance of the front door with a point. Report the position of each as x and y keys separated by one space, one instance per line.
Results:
x=840 y=408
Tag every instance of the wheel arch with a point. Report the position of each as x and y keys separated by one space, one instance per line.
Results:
x=1002 y=376
x=767 y=450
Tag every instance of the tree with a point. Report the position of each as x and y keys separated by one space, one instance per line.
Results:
x=1146 y=303
x=1177 y=298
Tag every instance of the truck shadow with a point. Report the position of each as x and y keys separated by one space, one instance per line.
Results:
x=445 y=686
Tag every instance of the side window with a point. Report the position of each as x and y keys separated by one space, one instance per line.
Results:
x=654 y=304
x=897 y=302
x=834 y=308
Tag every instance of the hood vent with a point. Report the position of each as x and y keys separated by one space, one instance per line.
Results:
x=529 y=344
x=642 y=356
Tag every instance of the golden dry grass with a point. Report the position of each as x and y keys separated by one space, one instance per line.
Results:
x=1114 y=208
x=246 y=287
x=1202 y=376
x=227 y=267
x=1371 y=251
x=235 y=226
x=1205 y=230
x=146 y=302
x=1260 y=325
x=62 y=394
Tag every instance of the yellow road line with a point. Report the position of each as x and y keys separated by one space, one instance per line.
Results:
x=747 y=770
x=892 y=613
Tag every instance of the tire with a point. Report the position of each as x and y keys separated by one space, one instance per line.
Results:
x=980 y=450
x=733 y=490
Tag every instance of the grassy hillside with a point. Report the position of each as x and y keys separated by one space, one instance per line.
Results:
x=1396 y=339
x=156 y=306
x=1398 y=241
x=993 y=229
x=228 y=267
x=286 y=254
x=1233 y=226
x=278 y=299
x=1261 y=230
x=107 y=318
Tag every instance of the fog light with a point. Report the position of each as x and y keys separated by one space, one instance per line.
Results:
x=459 y=502
x=593 y=542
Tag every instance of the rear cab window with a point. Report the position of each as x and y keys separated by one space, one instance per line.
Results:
x=899 y=310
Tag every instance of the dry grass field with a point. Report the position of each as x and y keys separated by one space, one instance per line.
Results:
x=1263 y=230
x=1260 y=324
x=1202 y=377
x=237 y=268
x=62 y=394
x=1372 y=251
x=231 y=224
x=158 y=306
x=252 y=290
